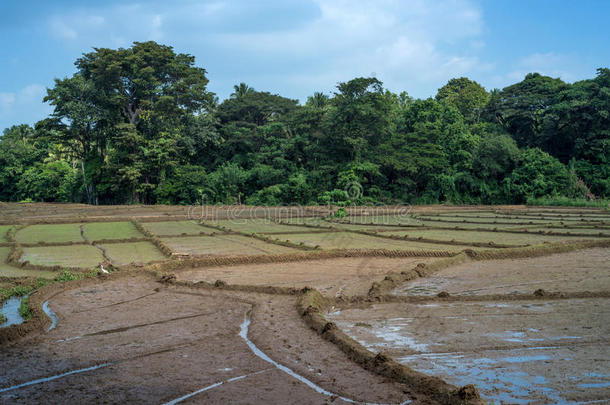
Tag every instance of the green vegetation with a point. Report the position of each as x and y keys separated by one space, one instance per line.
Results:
x=60 y=233
x=561 y=201
x=3 y=231
x=95 y=231
x=138 y=125
x=75 y=256
x=224 y=245
x=6 y=270
x=498 y=238
x=350 y=240
x=136 y=252
x=24 y=309
x=256 y=226
x=167 y=228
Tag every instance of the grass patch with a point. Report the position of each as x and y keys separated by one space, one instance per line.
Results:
x=83 y=256
x=60 y=233
x=24 y=309
x=569 y=202
x=133 y=252
x=110 y=230
x=224 y=245
x=176 y=228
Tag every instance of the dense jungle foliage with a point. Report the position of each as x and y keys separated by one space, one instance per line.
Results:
x=138 y=125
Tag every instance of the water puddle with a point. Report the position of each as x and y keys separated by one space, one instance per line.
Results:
x=212 y=386
x=50 y=314
x=259 y=353
x=10 y=310
x=54 y=377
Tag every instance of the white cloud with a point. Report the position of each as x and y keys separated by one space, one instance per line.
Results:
x=566 y=67
x=27 y=99
x=413 y=45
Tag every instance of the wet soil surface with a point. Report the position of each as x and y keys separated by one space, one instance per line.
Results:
x=332 y=277
x=585 y=270
x=123 y=342
x=514 y=352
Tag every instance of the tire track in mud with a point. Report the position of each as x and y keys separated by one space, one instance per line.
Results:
x=116 y=303
x=96 y=367
x=143 y=325
x=215 y=385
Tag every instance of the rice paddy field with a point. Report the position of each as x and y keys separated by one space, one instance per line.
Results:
x=60 y=233
x=132 y=252
x=176 y=228
x=223 y=245
x=79 y=256
x=256 y=225
x=97 y=231
x=386 y=305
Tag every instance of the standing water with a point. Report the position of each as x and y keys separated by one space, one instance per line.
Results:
x=10 y=310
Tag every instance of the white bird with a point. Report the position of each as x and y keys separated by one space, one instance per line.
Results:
x=103 y=269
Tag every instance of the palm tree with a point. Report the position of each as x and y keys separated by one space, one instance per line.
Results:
x=318 y=100
x=241 y=90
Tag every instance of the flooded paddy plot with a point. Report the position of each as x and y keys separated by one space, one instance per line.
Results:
x=383 y=219
x=498 y=238
x=95 y=231
x=222 y=245
x=584 y=270
x=6 y=270
x=484 y=221
x=175 y=228
x=84 y=256
x=60 y=233
x=258 y=225
x=350 y=240
x=332 y=277
x=132 y=252
x=514 y=352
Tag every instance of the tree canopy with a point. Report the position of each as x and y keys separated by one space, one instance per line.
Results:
x=138 y=125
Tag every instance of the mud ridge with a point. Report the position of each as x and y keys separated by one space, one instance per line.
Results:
x=262 y=237
x=40 y=321
x=154 y=239
x=214 y=261
x=311 y=305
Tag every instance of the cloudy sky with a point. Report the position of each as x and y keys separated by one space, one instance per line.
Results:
x=296 y=47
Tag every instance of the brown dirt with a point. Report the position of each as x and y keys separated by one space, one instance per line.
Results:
x=168 y=343
x=583 y=270
x=332 y=277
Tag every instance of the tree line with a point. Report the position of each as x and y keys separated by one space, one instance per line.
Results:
x=139 y=125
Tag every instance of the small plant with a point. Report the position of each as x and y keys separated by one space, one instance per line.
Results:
x=341 y=213
x=24 y=309
x=66 y=275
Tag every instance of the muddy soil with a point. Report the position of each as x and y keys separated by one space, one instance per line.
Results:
x=514 y=352
x=332 y=277
x=133 y=340
x=585 y=270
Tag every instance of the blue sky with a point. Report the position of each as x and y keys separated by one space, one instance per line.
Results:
x=297 y=47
